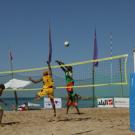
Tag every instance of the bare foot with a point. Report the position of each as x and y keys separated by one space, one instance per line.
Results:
x=54 y=114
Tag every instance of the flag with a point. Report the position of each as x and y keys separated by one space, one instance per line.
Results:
x=95 y=54
x=50 y=47
x=10 y=55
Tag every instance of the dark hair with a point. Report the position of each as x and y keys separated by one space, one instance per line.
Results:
x=70 y=68
x=2 y=86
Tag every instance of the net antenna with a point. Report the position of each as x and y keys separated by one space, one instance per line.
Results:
x=111 y=69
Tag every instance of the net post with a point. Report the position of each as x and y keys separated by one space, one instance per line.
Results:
x=132 y=102
x=132 y=97
x=134 y=59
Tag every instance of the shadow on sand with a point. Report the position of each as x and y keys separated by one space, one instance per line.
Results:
x=9 y=123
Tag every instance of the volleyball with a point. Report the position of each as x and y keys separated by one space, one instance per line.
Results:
x=66 y=44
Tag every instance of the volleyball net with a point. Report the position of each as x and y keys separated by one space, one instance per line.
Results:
x=109 y=71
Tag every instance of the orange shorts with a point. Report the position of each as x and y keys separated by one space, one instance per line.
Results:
x=72 y=103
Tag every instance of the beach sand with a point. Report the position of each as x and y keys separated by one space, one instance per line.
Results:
x=91 y=121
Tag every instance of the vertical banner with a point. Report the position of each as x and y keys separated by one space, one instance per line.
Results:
x=95 y=51
x=95 y=64
x=132 y=102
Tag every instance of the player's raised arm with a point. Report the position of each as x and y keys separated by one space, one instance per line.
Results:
x=62 y=65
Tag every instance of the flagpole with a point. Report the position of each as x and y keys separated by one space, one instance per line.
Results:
x=93 y=82
x=12 y=76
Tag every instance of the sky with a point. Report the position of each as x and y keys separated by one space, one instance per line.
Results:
x=24 y=30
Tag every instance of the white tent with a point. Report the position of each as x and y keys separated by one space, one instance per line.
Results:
x=16 y=84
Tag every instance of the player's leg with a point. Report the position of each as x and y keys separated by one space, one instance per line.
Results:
x=40 y=94
x=1 y=115
x=53 y=105
x=77 y=109
x=68 y=106
x=50 y=93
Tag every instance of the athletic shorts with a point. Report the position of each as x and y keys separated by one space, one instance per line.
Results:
x=46 y=91
x=70 y=103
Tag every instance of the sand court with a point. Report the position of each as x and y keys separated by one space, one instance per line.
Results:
x=91 y=121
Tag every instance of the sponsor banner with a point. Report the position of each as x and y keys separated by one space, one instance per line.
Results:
x=105 y=102
x=47 y=103
x=121 y=102
x=33 y=104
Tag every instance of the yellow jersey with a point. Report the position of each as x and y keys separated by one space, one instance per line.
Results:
x=48 y=81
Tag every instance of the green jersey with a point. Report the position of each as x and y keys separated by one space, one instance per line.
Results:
x=69 y=77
